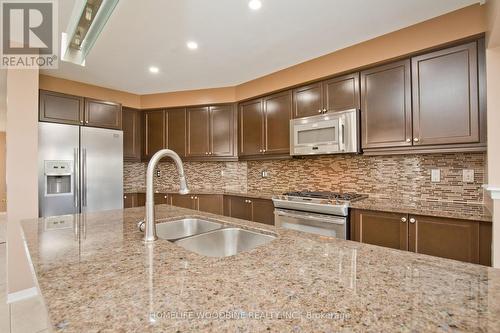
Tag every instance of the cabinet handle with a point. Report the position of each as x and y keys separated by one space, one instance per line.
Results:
x=408 y=140
x=403 y=219
x=206 y=153
x=192 y=197
x=124 y=197
x=324 y=110
x=412 y=220
x=260 y=150
x=86 y=121
x=416 y=139
x=81 y=121
x=165 y=196
x=195 y=198
x=320 y=111
x=263 y=150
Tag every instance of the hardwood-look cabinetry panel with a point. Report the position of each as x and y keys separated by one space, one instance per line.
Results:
x=198 y=135
x=103 y=114
x=277 y=115
x=308 y=100
x=380 y=228
x=222 y=126
x=61 y=108
x=184 y=201
x=162 y=199
x=446 y=238
x=251 y=128
x=445 y=96
x=210 y=203
x=154 y=132
x=341 y=93
x=129 y=200
x=176 y=130
x=238 y=207
x=263 y=211
x=132 y=129
x=386 y=106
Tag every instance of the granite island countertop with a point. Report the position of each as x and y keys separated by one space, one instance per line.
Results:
x=96 y=275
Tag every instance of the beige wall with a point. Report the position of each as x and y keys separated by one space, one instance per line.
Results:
x=22 y=177
x=450 y=27
x=88 y=90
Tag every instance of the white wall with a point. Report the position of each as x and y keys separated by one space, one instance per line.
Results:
x=22 y=183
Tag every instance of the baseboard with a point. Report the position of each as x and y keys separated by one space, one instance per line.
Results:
x=22 y=295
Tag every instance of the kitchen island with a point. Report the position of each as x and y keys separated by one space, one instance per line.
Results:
x=95 y=274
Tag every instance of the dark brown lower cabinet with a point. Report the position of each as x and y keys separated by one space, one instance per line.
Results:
x=257 y=210
x=162 y=199
x=463 y=240
x=184 y=201
x=210 y=203
x=131 y=200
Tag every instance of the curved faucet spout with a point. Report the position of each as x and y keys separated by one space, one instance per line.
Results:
x=150 y=232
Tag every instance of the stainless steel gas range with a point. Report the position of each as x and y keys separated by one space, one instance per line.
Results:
x=322 y=213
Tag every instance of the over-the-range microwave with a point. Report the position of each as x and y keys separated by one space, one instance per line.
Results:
x=330 y=133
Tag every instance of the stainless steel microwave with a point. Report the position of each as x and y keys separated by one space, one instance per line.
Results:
x=330 y=133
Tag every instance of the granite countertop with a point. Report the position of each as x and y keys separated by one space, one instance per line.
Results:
x=456 y=210
x=96 y=275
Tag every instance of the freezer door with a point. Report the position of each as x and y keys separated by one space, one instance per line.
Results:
x=101 y=169
x=58 y=145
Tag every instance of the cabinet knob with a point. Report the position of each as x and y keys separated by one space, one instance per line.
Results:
x=192 y=197
x=320 y=111
x=412 y=220
x=408 y=140
x=260 y=150
x=263 y=150
x=210 y=153
x=324 y=110
x=124 y=197
x=86 y=121
x=165 y=196
x=416 y=139
x=403 y=219
x=206 y=153
x=81 y=121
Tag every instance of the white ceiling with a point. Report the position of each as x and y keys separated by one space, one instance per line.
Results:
x=235 y=44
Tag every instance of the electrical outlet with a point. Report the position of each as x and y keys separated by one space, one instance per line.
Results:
x=435 y=175
x=264 y=174
x=468 y=176
x=157 y=172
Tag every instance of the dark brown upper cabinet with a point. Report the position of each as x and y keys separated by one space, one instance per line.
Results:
x=61 y=108
x=308 y=100
x=445 y=96
x=251 y=128
x=336 y=94
x=277 y=111
x=265 y=125
x=103 y=114
x=210 y=131
x=198 y=131
x=154 y=132
x=386 y=118
x=176 y=130
x=132 y=128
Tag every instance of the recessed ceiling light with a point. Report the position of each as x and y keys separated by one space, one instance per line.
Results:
x=192 y=45
x=154 y=69
x=255 y=4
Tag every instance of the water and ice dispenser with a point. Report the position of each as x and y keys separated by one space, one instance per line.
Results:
x=58 y=178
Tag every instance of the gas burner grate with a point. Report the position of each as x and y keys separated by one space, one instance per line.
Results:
x=347 y=196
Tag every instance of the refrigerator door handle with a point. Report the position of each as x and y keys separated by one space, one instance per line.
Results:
x=76 y=173
x=84 y=177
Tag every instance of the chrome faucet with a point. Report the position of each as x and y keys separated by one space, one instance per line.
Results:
x=150 y=229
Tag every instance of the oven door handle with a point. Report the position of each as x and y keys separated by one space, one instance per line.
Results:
x=325 y=219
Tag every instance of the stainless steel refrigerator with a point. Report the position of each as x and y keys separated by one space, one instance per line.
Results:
x=80 y=169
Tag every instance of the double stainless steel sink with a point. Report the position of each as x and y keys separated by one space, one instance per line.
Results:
x=210 y=238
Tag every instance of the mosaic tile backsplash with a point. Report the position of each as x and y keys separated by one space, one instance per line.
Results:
x=397 y=176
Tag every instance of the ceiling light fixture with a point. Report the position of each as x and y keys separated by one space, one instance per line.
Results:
x=255 y=4
x=154 y=69
x=192 y=45
x=85 y=24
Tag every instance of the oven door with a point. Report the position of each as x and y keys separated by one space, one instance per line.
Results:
x=319 y=224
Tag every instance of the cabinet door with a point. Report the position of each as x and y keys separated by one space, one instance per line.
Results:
x=485 y=238
x=342 y=93
x=445 y=96
x=446 y=238
x=129 y=200
x=262 y=211
x=141 y=200
x=154 y=132
x=222 y=130
x=131 y=134
x=161 y=199
x=176 y=132
x=103 y=114
x=60 y=108
x=251 y=128
x=308 y=100
x=240 y=208
x=184 y=201
x=210 y=203
x=380 y=228
x=386 y=106
x=198 y=131
x=277 y=115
